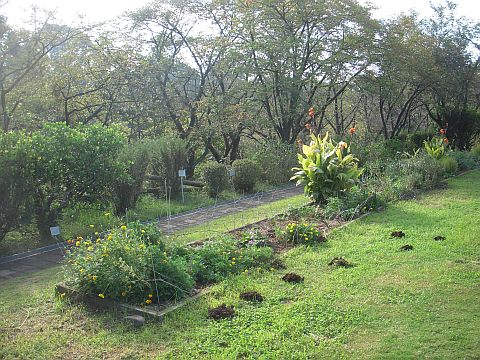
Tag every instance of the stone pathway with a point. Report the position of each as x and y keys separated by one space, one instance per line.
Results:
x=39 y=259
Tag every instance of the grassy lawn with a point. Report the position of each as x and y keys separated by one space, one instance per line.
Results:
x=392 y=305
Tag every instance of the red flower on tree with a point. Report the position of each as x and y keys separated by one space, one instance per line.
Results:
x=352 y=130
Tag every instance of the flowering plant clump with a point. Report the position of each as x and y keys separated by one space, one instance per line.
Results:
x=124 y=264
x=326 y=168
x=299 y=233
x=436 y=147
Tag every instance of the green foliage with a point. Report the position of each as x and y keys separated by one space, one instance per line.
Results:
x=476 y=150
x=217 y=258
x=356 y=202
x=136 y=159
x=123 y=266
x=14 y=182
x=450 y=164
x=246 y=175
x=326 y=169
x=435 y=147
x=169 y=154
x=465 y=160
x=275 y=160
x=215 y=176
x=302 y=233
x=72 y=164
x=463 y=127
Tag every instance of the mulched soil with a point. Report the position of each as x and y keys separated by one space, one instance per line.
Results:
x=266 y=229
x=397 y=234
x=406 y=247
x=252 y=296
x=439 y=238
x=340 y=262
x=221 y=312
x=293 y=278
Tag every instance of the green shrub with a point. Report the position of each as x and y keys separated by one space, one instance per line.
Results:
x=220 y=257
x=123 y=266
x=70 y=165
x=14 y=181
x=476 y=150
x=246 y=175
x=275 y=160
x=326 y=169
x=465 y=160
x=301 y=233
x=463 y=127
x=357 y=201
x=169 y=154
x=215 y=176
x=136 y=159
x=450 y=164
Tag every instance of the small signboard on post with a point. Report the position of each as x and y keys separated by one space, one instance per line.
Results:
x=182 y=173
x=55 y=230
x=231 y=172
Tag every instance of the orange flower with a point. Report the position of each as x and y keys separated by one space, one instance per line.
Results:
x=299 y=141
x=352 y=130
x=445 y=141
x=311 y=112
x=443 y=131
x=342 y=145
x=308 y=126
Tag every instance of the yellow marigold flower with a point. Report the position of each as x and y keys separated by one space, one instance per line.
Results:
x=102 y=296
x=79 y=238
x=96 y=233
x=123 y=228
x=124 y=293
x=150 y=296
x=90 y=248
x=109 y=237
x=142 y=231
x=82 y=271
x=98 y=240
x=78 y=243
x=148 y=301
x=94 y=277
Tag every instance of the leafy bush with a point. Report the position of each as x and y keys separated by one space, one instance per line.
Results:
x=275 y=160
x=465 y=160
x=72 y=164
x=435 y=147
x=326 y=169
x=124 y=265
x=136 y=159
x=476 y=150
x=463 y=127
x=14 y=182
x=357 y=201
x=215 y=176
x=450 y=164
x=169 y=154
x=220 y=257
x=301 y=233
x=246 y=174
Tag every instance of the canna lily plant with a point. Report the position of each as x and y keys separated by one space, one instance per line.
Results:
x=326 y=168
x=435 y=147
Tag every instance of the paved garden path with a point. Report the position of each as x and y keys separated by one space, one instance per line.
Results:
x=39 y=259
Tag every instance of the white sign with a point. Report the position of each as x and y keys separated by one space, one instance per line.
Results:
x=55 y=231
x=182 y=173
x=231 y=172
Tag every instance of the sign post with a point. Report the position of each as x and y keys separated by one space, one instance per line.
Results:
x=182 y=173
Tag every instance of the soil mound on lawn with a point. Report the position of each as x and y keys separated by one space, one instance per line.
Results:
x=221 y=312
x=340 y=262
x=439 y=238
x=292 y=278
x=406 y=247
x=397 y=234
x=252 y=296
